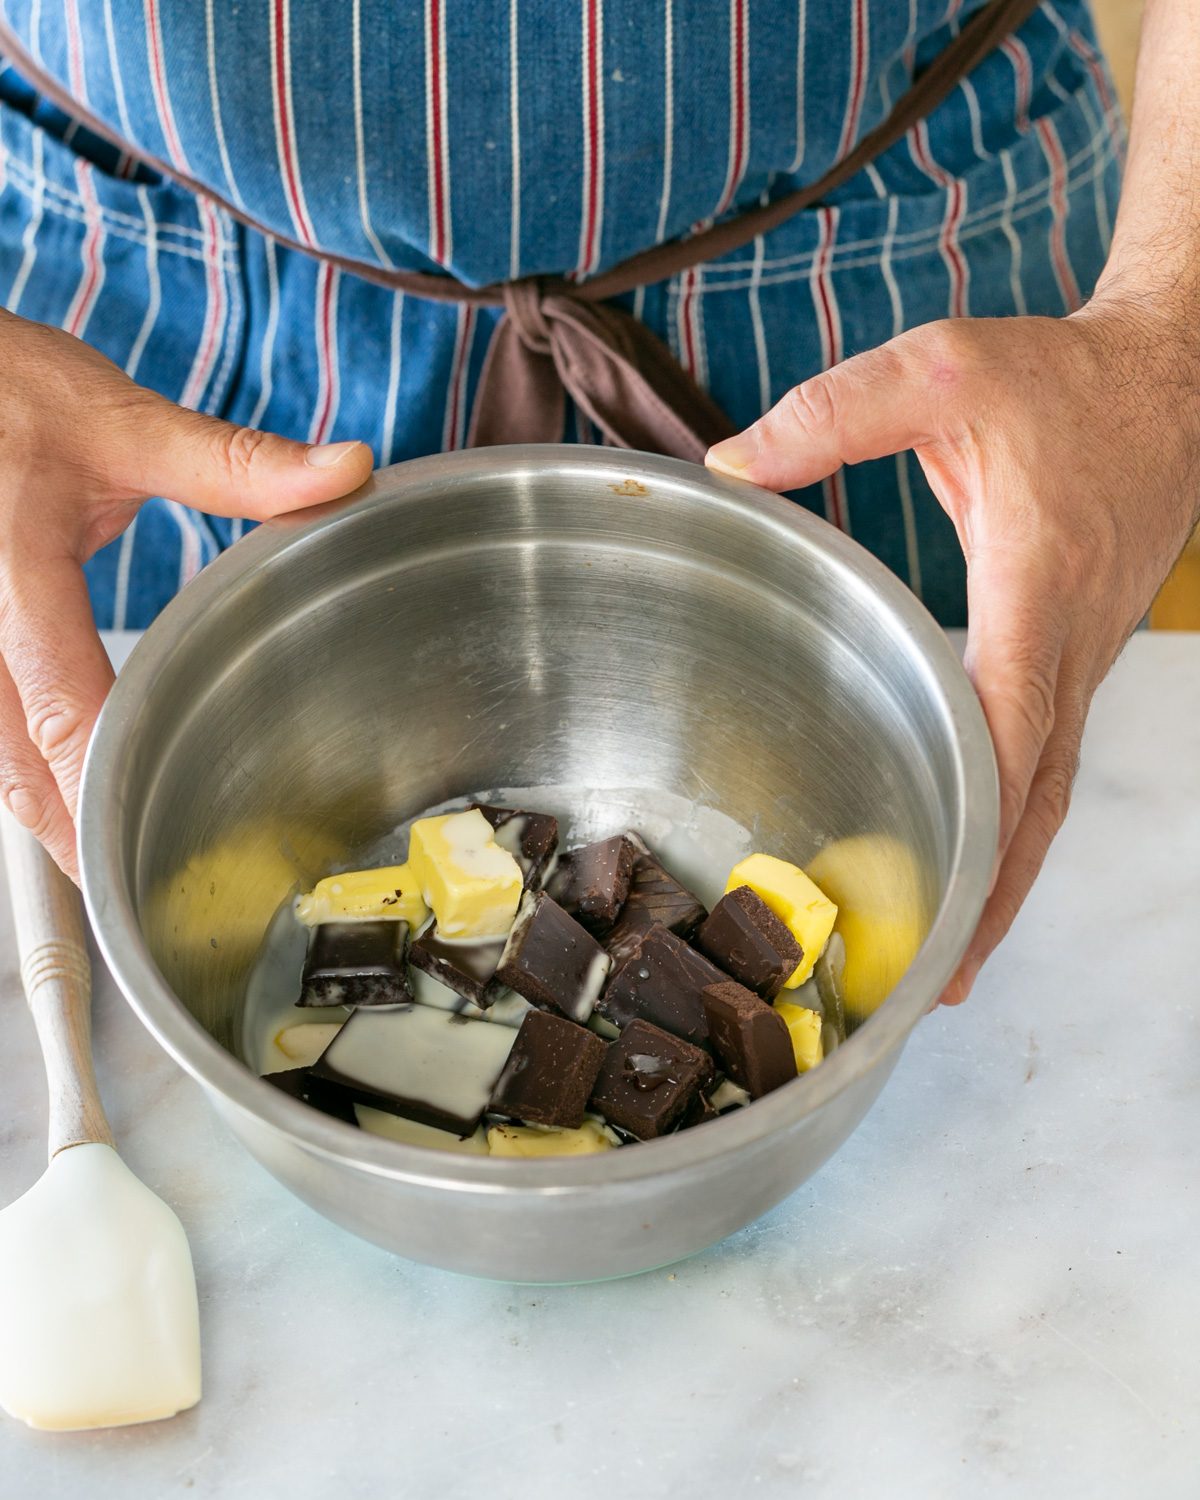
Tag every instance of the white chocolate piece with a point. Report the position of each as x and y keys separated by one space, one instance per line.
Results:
x=97 y=1300
x=532 y=1140
x=413 y=1133
x=392 y=893
x=303 y=1044
x=429 y=1057
x=728 y=1095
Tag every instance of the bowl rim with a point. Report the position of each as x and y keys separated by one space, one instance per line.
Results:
x=119 y=938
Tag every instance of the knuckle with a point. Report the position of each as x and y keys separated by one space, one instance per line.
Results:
x=945 y=351
x=814 y=405
x=58 y=728
x=34 y=807
x=1057 y=778
x=237 y=451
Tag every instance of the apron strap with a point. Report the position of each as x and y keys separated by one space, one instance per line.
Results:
x=560 y=337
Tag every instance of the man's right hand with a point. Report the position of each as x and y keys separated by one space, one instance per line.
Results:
x=81 y=448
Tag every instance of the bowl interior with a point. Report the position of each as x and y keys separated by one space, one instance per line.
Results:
x=537 y=616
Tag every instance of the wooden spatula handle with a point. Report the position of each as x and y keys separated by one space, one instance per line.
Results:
x=48 y=917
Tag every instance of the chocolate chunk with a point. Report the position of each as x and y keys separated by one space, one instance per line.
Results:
x=663 y=981
x=357 y=963
x=551 y=960
x=530 y=837
x=433 y=1066
x=648 y=1080
x=592 y=882
x=550 y=1072
x=748 y=940
x=750 y=1039
x=466 y=967
x=327 y=1097
x=699 y=1112
x=654 y=896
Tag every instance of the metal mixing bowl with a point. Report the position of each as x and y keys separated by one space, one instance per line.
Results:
x=513 y=617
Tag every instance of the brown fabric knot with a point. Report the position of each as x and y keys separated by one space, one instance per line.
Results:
x=553 y=342
x=523 y=304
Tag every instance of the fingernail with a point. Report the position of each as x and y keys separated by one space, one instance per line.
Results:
x=325 y=455
x=734 y=454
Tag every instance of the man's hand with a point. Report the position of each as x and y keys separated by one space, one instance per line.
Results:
x=81 y=447
x=1065 y=452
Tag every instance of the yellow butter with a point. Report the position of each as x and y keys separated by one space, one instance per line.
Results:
x=471 y=883
x=522 y=1140
x=804 y=1028
x=413 y=1133
x=303 y=1043
x=882 y=892
x=800 y=905
x=364 y=896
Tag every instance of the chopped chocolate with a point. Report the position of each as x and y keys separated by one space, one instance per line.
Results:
x=751 y=1040
x=530 y=837
x=748 y=940
x=654 y=896
x=551 y=960
x=592 y=883
x=357 y=963
x=327 y=1097
x=648 y=1080
x=465 y=965
x=550 y=1072
x=433 y=1066
x=663 y=981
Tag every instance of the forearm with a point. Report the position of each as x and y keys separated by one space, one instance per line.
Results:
x=1155 y=256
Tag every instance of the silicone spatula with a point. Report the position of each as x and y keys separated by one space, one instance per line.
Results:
x=99 y=1324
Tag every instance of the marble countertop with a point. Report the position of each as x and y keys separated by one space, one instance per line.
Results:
x=991 y=1290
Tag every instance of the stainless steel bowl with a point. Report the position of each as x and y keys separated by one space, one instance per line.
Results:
x=512 y=617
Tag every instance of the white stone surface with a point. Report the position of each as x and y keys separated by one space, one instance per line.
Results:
x=991 y=1290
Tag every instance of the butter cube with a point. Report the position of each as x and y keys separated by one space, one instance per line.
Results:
x=472 y=884
x=524 y=1140
x=303 y=1043
x=804 y=1028
x=801 y=906
x=365 y=896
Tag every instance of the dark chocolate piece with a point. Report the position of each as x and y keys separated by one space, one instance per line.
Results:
x=550 y=1072
x=320 y=1094
x=654 y=896
x=592 y=882
x=699 y=1112
x=530 y=837
x=357 y=963
x=648 y=1080
x=467 y=968
x=663 y=981
x=750 y=1038
x=551 y=960
x=430 y=1065
x=745 y=937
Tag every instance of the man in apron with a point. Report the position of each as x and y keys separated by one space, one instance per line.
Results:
x=335 y=223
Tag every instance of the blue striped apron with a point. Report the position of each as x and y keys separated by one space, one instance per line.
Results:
x=505 y=138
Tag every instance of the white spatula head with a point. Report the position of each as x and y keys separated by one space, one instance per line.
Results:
x=99 y=1325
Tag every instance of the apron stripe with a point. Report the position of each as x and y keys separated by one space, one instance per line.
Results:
x=285 y=121
x=1011 y=235
x=437 y=133
x=360 y=159
x=829 y=322
x=214 y=94
x=454 y=428
x=92 y=253
x=956 y=193
x=1018 y=54
x=34 y=224
x=158 y=80
x=801 y=133
x=387 y=453
x=739 y=103
x=761 y=357
x=214 y=310
x=593 y=136
x=514 y=130
x=1063 y=273
x=664 y=201
x=859 y=45
x=266 y=354
x=327 y=354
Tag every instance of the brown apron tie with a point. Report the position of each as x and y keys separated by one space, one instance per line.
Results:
x=559 y=337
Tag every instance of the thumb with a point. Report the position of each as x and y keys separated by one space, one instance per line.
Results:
x=227 y=470
x=871 y=405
